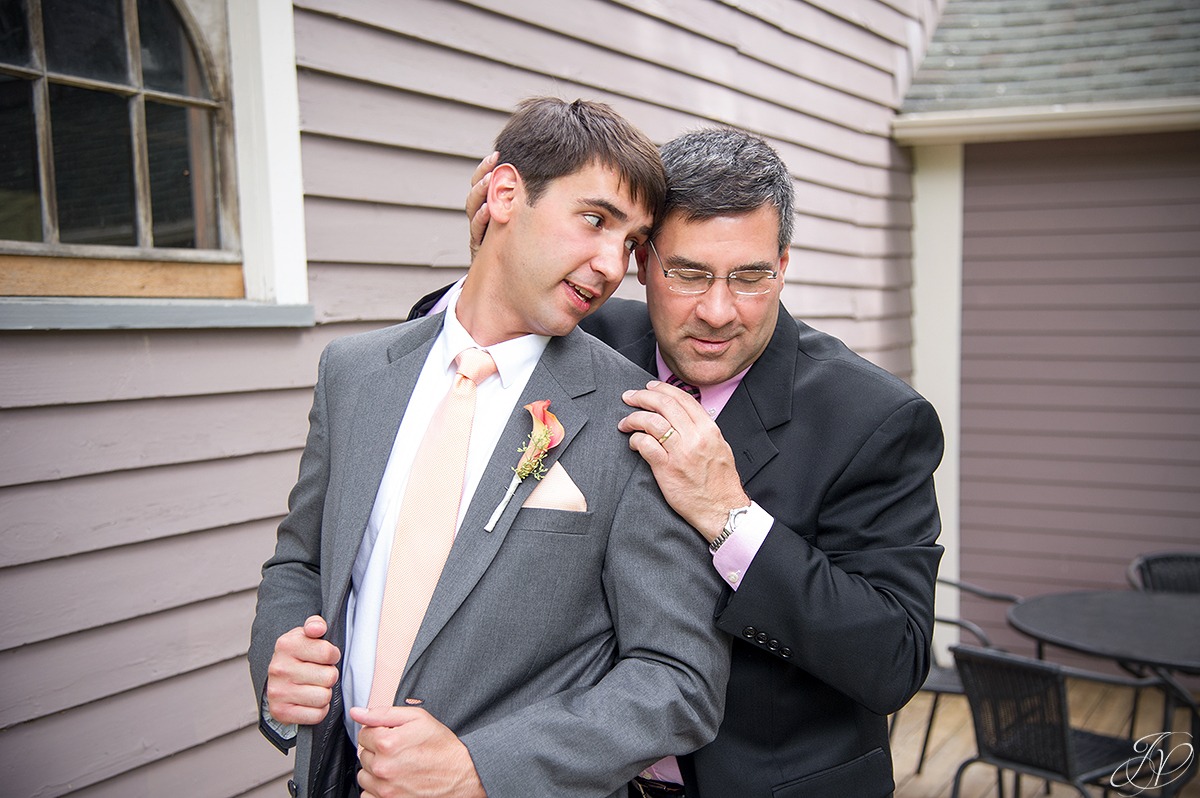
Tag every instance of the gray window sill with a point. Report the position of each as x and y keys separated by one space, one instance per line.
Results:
x=36 y=313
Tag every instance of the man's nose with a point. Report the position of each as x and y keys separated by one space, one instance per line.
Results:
x=612 y=263
x=716 y=305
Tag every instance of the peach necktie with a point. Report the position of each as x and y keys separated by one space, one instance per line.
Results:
x=425 y=528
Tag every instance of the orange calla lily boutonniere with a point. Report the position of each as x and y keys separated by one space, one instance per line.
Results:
x=547 y=433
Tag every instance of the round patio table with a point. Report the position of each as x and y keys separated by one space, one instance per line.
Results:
x=1159 y=630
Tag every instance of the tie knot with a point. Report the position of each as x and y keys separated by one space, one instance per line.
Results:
x=476 y=365
x=684 y=386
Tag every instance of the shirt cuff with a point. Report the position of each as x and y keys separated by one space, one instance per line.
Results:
x=739 y=549
x=286 y=731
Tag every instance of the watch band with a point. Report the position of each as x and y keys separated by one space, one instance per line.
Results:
x=729 y=529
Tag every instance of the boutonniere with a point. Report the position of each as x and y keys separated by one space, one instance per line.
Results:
x=547 y=433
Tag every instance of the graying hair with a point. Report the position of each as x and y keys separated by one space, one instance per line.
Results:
x=719 y=171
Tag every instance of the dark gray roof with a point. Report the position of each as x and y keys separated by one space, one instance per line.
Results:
x=998 y=54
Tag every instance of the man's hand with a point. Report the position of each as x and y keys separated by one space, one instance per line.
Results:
x=693 y=465
x=407 y=753
x=302 y=674
x=477 y=209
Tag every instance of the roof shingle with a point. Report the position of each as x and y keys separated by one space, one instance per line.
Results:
x=1032 y=53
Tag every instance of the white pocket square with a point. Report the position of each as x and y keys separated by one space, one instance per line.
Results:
x=557 y=491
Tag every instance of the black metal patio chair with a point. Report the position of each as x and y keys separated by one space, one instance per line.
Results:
x=1166 y=572
x=943 y=679
x=1161 y=572
x=1022 y=723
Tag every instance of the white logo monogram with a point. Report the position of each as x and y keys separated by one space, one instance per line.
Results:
x=1156 y=765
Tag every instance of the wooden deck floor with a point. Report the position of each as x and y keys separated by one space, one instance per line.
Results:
x=1096 y=707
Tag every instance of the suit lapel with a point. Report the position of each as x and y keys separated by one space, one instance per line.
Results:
x=763 y=401
x=382 y=401
x=562 y=375
x=641 y=352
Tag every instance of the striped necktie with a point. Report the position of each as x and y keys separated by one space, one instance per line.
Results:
x=684 y=386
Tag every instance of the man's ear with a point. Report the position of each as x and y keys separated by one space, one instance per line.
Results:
x=783 y=262
x=505 y=190
x=642 y=255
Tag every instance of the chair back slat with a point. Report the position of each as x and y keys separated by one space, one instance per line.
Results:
x=1019 y=708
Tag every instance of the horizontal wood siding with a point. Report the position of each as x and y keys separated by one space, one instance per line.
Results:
x=1081 y=363
x=399 y=102
x=145 y=472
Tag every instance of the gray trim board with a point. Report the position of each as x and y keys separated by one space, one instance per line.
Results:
x=33 y=313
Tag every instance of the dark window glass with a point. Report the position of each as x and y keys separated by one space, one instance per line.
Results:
x=20 y=195
x=180 y=144
x=14 y=33
x=93 y=166
x=85 y=38
x=93 y=156
x=168 y=61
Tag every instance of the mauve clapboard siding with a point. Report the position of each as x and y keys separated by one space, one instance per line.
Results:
x=85 y=367
x=146 y=471
x=70 y=671
x=424 y=86
x=224 y=766
x=1081 y=362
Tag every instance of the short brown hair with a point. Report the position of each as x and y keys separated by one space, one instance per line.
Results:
x=548 y=138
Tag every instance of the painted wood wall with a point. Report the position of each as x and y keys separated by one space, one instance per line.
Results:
x=1081 y=363
x=143 y=473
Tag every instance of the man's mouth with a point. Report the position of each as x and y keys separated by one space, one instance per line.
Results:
x=709 y=344
x=585 y=296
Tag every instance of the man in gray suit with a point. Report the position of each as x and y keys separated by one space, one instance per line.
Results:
x=569 y=640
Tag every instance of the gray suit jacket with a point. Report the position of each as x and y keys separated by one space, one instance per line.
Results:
x=567 y=650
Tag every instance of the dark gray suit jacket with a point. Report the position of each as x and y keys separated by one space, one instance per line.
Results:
x=832 y=621
x=567 y=650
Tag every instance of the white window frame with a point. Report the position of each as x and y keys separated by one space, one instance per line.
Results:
x=269 y=197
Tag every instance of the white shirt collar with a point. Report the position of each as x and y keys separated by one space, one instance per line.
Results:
x=513 y=358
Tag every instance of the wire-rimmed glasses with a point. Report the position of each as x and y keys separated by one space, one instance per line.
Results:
x=743 y=282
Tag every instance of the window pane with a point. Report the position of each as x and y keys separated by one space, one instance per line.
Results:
x=93 y=166
x=85 y=38
x=14 y=33
x=168 y=61
x=20 y=196
x=181 y=176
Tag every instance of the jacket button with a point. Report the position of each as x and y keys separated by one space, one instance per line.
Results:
x=761 y=637
x=773 y=644
x=785 y=652
x=293 y=790
x=749 y=632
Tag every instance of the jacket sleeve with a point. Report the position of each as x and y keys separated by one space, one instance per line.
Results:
x=851 y=601
x=290 y=590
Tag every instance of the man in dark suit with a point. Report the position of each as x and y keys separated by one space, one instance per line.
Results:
x=807 y=469
x=567 y=643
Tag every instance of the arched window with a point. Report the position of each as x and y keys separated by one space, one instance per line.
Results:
x=123 y=126
x=106 y=126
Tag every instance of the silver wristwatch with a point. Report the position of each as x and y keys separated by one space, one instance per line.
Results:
x=730 y=527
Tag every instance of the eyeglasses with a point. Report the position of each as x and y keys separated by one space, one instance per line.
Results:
x=744 y=282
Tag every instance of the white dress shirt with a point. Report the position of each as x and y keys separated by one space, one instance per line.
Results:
x=495 y=399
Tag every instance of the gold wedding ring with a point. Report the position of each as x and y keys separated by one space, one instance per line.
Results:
x=666 y=435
